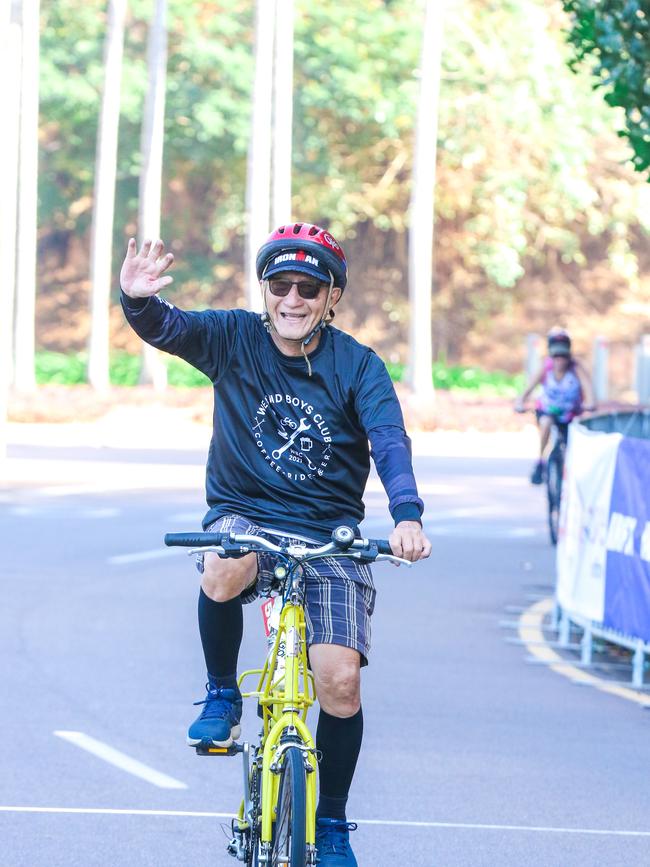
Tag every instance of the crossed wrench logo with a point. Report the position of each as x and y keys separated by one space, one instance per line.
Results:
x=303 y=426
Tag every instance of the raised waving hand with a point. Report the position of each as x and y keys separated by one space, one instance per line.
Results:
x=140 y=276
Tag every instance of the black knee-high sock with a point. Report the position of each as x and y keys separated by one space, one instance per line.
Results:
x=339 y=742
x=221 y=625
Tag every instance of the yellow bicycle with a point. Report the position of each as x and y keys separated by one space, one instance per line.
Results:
x=276 y=822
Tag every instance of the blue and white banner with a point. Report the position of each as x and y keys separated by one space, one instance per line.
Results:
x=584 y=518
x=627 y=585
x=603 y=553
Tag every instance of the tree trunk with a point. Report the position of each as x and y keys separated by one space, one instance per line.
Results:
x=10 y=74
x=154 y=371
x=104 y=199
x=421 y=215
x=258 y=181
x=24 y=374
x=282 y=112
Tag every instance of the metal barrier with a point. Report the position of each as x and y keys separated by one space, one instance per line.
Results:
x=591 y=631
x=630 y=423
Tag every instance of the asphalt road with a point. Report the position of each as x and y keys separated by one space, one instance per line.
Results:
x=471 y=756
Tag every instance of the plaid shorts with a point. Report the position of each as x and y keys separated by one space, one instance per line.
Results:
x=339 y=592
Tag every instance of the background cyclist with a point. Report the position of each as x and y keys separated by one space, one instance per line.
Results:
x=298 y=405
x=566 y=391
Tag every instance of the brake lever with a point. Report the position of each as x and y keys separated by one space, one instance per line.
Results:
x=367 y=556
x=234 y=551
x=396 y=560
x=225 y=551
x=212 y=549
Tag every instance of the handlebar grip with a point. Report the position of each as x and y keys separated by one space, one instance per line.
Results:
x=382 y=546
x=193 y=540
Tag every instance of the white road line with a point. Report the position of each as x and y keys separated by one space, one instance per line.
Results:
x=192 y=519
x=36 y=511
x=439 y=515
x=71 y=490
x=120 y=760
x=523 y=532
x=481 y=531
x=440 y=489
x=462 y=826
x=107 y=512
x=539 y=829
x=108 y=811
x=153 y=554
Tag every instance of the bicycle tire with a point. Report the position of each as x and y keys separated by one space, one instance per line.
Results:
x=554 y=488
x=289 y=838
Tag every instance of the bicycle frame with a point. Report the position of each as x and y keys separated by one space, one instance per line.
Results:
x=285 y=696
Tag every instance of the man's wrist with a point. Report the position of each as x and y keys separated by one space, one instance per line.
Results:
x=407 y=512
x=134 y=303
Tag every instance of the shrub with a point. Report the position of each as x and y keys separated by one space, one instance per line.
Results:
x=59 y=368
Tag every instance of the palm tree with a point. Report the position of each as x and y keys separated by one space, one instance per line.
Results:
x=258 y=178
x=10 y=74
x=104 y=199
x=421 y=214
x=282 y=112
x=153 y=370
x=24 y=375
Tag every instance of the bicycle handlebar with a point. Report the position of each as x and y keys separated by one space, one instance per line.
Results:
x=528 y=407
x=232 y=545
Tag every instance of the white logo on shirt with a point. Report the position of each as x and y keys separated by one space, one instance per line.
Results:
x=292 y=437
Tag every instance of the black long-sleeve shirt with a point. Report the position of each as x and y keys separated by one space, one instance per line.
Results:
x=288 y=450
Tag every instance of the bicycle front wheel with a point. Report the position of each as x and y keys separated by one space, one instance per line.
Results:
x=289 y=839
x=554 y=494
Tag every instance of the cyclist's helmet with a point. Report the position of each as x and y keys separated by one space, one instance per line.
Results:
x=305 y=248
x=559 y=342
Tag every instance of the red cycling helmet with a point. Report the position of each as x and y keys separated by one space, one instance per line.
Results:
x=305 y=248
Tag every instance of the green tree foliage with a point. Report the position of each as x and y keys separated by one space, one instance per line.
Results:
x=614 y=35
x=529 y=171
x=206 y=125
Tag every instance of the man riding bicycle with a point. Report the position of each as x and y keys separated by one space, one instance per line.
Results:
x=565 y=392
x=296 y=404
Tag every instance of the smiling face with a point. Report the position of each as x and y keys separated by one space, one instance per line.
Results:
x=293 y=318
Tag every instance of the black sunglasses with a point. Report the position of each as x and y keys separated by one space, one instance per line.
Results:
x=307 y=289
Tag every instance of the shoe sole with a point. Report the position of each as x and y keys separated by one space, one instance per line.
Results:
x=235 y=731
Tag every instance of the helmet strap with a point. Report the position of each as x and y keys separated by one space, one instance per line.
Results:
x=327 y=315
x=326 y=311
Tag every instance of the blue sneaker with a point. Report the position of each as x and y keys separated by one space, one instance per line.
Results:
x=218 y=722
x=333 y=843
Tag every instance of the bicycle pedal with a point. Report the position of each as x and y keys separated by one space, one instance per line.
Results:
x=209 y=749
